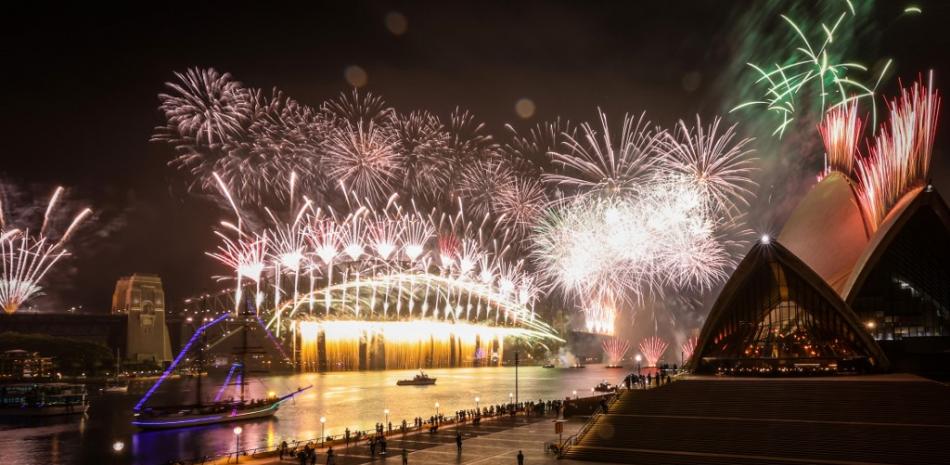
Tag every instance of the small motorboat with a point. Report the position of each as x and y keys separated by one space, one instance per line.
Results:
x=421 y=379
x=604 y=386
x=548 y=365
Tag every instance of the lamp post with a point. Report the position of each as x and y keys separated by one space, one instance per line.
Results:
x=510 y=398
x=638 y=358
x=323 y=423
x=386 y=413
x=117 y=448
x=237 y=443
x=574 y=394
x=436 y=412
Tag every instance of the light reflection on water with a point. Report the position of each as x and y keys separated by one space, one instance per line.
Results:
x=349 y=399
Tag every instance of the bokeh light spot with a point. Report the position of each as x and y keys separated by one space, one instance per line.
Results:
x=355 y=76
x=524 y=107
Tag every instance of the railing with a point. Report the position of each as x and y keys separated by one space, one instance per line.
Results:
x=572 y=440
x=355 y=438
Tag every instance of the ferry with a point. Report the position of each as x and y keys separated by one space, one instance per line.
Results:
x=421 y=379
x=42 y=399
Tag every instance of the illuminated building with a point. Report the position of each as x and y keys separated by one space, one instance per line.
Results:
x=835 y=293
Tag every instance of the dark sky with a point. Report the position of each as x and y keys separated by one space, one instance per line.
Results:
x=81 y=89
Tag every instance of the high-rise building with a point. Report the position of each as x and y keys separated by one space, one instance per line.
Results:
x=142 y=298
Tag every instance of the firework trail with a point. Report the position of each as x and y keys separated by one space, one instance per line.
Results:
x=813 y=68
x=25 y=258
x=615 y=349
x=599 y=162
x=653 y=348
x=841 y=131
x=717 y=166
x=363 y=157
x=668 y=226
x=688 y=347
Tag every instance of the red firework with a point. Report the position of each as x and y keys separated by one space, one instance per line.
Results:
x=652 y=349
x=615 y=350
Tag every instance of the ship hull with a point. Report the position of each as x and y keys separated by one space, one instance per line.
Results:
x=52 y=411
x=189 y=419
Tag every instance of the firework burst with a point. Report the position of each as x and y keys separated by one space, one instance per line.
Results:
x=653 y=348
x=25 y=258
x=601 y=162
x=615 y=349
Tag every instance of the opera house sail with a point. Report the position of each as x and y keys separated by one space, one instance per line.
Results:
x=901 y=284
x=777 y=315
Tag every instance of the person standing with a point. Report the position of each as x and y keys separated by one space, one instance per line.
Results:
x=405 y=457
x=458 y=441
x=331 y=460
x=520 y=458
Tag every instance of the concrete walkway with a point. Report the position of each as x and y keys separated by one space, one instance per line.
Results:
x=491 y=443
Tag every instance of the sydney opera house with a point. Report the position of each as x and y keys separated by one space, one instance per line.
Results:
x=836 y=292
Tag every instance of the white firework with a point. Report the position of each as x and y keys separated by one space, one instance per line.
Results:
x=362 y=157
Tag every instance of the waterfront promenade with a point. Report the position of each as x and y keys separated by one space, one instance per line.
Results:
x=493 y=441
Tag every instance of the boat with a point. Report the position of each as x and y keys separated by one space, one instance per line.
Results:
x=210 y=413
x=578 y=365
x=548 y=365
x=614 y=366
x=115 y=385
x=604 y=386
x=42 y=399
x=421 y=379
x=218 y=411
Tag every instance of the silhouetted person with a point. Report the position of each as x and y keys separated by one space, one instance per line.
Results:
x=283 y=449
x=372 y=447
x=458 y=441
x=520 y=458
x=405 y=457
x=330 y=458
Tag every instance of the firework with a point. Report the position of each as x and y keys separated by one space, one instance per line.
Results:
x=841 y=131
x=600 y=316
x=483 y=183
x=25 y=258
x=362 y=157
x=599 y=162
x=653 y=348
x=717 y=166
x=813 y=68
x=688 y=347
x=615 y=349
x=380 y=268
x=899 y=160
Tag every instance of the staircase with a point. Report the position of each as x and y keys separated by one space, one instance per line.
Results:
x=894 y=420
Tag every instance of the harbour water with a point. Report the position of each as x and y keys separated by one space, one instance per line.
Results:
x=356 y=400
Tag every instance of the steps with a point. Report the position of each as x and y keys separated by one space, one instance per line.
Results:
x=831 y=421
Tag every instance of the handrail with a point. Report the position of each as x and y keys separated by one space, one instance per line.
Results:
x=576 y=437
x=334 y=440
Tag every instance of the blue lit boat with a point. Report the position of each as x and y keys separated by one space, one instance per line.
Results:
x=218 y=411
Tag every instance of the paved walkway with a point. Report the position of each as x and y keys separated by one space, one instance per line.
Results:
x=491 y=443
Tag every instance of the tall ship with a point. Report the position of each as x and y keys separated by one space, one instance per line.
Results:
x=220 y=410
x=42 y=399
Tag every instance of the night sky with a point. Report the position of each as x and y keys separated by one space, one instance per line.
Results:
x=81 y=87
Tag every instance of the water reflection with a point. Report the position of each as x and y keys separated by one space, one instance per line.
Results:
x=354 y=400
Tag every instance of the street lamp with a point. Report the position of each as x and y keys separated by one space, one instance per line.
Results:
x=476 y=403
x=118 y=446
x=575 y=394
x=638 y=358
x=510 y=398
x=237 y=443
x=323 y=423
x=386 y=412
